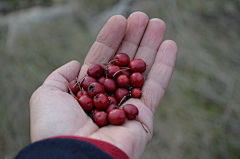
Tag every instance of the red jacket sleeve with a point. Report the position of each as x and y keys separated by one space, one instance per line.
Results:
x=71 y=147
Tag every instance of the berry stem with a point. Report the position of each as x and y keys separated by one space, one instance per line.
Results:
x=110 y=62
x=71 y=91
x=107 y=70
x=137 y=119
x=105 y=64
x=79 y=81
x=119 y=104
x=125 y=68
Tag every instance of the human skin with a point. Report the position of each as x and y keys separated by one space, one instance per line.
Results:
x=54 y=112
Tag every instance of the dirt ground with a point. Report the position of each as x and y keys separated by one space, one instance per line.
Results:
x=199 y=116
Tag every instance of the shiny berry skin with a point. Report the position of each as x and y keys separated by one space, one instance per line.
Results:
x=81 y=93
x=126 y=72
x=111 y=107
x=101 y=118
x=137 y=65
x=117 y=117
x=112 y=100
x=86 y=103
x=122 y=59
x=87 y=81
x=122 y=80
x=74 y=87
x=102 y=90
x=110 y=70
x=110 y=85
x=93 y=113
x=120 y=93
x=136 y=80
x=101 y=101
x=95 y=88
x=95 y=71
x=101 y=79
x=131 y=111
x=136 y=93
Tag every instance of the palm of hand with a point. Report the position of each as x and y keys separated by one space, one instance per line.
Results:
x=54 y=112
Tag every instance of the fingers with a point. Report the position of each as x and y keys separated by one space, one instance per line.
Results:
x=159 y=75
x=153 y=89
x=150 y=43
x=106 y=44
x=137 y=23
x=66 y=73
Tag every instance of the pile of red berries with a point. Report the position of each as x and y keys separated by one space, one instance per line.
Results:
x=101 y=92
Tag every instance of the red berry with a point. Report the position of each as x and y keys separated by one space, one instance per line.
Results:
x=101 y=101
x=101 y=79
x=131 y=111
x=95 y=88
x=95 y=91
x=111 y=70
x=112 y=100
x=87 y=81
x=101 y=118
x=137 y=65
x=136 y=93
x=120 y=93
x=111 y=107
x=86 y=103
x=110 y=85
x=122 y=59
x=74 y=87
x=93 y=113
x=117 y=117
x=126 y=72
x=122 y=80
x=81 y=93
x=95 y=71
x=136 y=80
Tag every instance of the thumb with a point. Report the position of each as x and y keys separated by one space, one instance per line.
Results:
x=66 y=73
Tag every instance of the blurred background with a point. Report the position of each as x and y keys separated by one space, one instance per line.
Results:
x=199 y=116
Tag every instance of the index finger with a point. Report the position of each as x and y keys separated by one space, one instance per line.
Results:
x=106 y=44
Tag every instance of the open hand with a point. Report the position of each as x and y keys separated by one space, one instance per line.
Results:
x=55 y=112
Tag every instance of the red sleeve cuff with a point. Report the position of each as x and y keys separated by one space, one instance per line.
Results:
x=105 y=146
